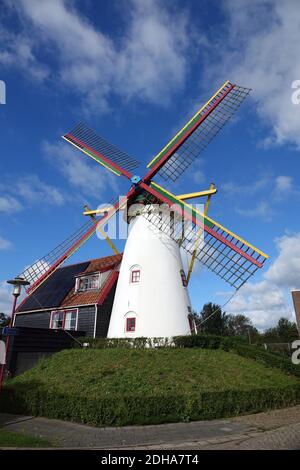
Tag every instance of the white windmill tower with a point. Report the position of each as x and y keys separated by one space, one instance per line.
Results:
x=151 y=299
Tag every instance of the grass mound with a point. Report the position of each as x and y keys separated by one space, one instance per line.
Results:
x=140 y=386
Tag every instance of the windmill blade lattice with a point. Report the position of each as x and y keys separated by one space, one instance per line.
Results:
x=39 y=271
x=221 y=251
x=184 y=148
x=59 y=254
x=105 y=153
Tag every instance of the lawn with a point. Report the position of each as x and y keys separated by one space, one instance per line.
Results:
x=120 y=371
x=137 y=386
x=13 y=439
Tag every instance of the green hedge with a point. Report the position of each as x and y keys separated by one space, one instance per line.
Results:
x=36 y=400
x=125 y=343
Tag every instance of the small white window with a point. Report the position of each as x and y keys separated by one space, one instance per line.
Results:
x=91 y=282
x=64 y=320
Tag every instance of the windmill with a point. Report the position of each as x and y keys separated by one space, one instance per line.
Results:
x=152 y=298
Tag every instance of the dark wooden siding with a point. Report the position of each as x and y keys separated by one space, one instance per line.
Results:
x=104 y=314
x=33 y=320
x=32 y=344
x=86 y=319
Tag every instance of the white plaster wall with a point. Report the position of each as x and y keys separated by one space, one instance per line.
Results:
x=159 y=301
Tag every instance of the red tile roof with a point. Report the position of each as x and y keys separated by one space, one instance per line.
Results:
x=103 y=264
x=91 y=297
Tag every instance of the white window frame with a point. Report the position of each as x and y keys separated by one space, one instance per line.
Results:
x=79 y=278
x=64 y=311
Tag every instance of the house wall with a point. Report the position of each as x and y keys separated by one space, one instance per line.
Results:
x=104 y=313
x=86 y=319
x=33 y=320
x=33 y=344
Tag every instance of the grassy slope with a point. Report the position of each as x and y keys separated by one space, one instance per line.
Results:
x=121 y=371
x=12 y=439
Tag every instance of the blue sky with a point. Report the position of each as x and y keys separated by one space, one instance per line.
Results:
x=136 y=70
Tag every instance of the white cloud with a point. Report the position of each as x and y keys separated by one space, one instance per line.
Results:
x=78 y=171
x=148 y=63
x=262 y=210
x=29 y=189
x=9 y=204
x=262 y=39
x=285 y=270
x=264 y=302
x=231 y=188
x=17 y=51
x=270 y=192
x=284 y=183
x=5 y=244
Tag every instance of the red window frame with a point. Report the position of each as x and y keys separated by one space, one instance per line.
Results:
x=135 y=276
x=130 y=329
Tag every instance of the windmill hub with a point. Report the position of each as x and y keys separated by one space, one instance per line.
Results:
x=136 y=179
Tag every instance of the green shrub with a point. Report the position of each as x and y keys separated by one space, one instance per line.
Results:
x=157 y=408
x=126 y=343
x=198 y=341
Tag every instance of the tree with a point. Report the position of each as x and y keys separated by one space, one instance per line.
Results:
x=240 y=325
x=4 y=320
x=284 y=332
x=215 y=321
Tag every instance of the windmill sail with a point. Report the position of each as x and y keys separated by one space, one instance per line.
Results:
x=37 y=273
x=223 y=252
x=41 y=269
x=105 y=153
x=172 y=161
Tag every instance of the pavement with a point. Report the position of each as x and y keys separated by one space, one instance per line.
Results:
x=277 y=429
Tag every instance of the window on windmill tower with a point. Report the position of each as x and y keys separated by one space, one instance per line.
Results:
x=135 y=275
x=130 y=324
x=183 y=278
x=88 y=282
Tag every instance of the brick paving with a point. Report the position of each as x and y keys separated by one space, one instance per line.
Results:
x=278 y=429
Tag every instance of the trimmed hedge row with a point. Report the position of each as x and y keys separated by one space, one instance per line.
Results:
x=35 y=399
x=125 y=343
